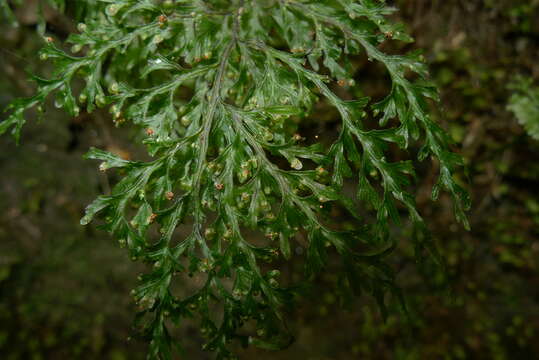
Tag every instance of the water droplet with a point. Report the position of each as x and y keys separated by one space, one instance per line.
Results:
x=185 y=121
x=112 y=9
x=114 y=88
x=273 y=283
x=296 y=164
x=76 y=48
x=158 y=39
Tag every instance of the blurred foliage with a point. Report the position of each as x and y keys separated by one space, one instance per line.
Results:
x=525 y=104
x=62 y=288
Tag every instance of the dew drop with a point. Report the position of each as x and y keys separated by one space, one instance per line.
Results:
x=296 y=164
x=112 y=9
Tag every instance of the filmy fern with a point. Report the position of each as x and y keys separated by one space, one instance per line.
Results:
x=219 y=88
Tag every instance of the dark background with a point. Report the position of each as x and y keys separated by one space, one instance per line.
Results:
x=64 y=288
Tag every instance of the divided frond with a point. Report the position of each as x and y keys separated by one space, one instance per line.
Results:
x=227 y=159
